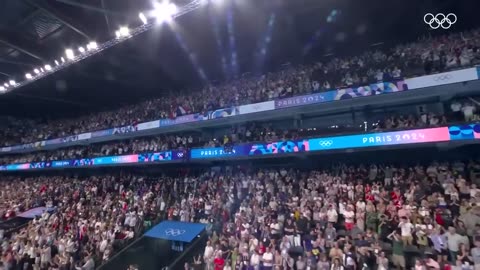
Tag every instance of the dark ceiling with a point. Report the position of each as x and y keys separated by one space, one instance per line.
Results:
x=168 y=58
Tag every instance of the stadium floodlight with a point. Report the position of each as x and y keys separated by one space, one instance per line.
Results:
x=2 y=89
x=124 y=31
x=48 y=67
x=70 y=54
x=12 y=82
x=36 y=71
x=164 y=11
x=81 y=49
x=143 y=18
x=28 y=76
x=57 y=63
x=92 y=45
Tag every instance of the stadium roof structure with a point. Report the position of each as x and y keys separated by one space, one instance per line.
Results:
x=194 y=49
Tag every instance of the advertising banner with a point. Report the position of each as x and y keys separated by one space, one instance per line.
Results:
x=6 y=149
x=257 y=107
x=342 y=94
x=102 y=133
x=428 y=135
x=251 y=149
x=72 y=138
x=85 y=136
x=381 y=139
x=281 y=147
x=149 y=125
x=215 y=152
x=154 y=157
x=125 y=129
x=464 y=132
x=227 y=112
x=457 y=76
x=183 y=119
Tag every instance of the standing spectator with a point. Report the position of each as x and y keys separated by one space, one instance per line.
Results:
x=453 y=243
x=398 y=257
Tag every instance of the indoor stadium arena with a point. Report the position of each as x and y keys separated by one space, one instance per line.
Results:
x=239 y=135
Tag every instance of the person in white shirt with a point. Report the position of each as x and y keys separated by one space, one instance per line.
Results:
x=468 y=109
x=275 y=229
x=396 y=73
x=361 y=206
x=473 y=191
x=133 y=220
x=349 y=218
x=89 y=264
x=406 y=228
x=255 y=260
x=267 y=259
x=208 y=256
x=382 y=261
x=332 y=215
x=103 y=245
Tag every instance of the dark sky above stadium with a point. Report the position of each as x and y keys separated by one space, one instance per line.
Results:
x=266 y=34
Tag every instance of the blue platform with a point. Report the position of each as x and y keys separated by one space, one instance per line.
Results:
x=176 y=231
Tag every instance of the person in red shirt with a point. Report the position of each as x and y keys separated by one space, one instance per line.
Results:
x=170 y=213
x=219 y=263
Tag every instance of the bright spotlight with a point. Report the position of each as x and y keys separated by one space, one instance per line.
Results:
x=143 y=18
x=164 y=11
x=117 y=34
x=70 y=54
x=57 y=63
x=92 y=45
x=28 y=76
x=2 y=89
x=36 y=71
x=81 y=49
x=63 y=59
x=124 y=31
x=12 y=82
x=41 y=70
x=6 y=85
x=48 y=67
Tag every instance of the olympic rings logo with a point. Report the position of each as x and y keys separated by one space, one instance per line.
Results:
x=326 y=143
x=445 y=77
x=440 y=20
x=174 y=232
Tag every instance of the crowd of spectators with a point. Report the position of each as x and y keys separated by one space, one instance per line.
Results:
x=365 y=217
x=424 y=56
x=378 y=216
x=92 y=218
